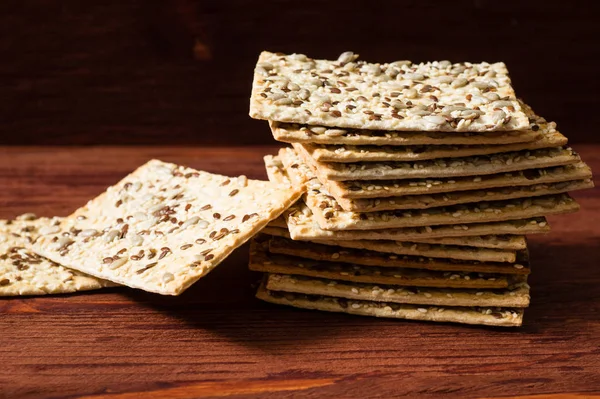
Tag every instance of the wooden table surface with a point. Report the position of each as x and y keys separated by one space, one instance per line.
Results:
x=216 y=340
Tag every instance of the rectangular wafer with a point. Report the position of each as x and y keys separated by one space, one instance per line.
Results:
x=165 y=226
x=406 y=248
x=363 y=189
x=505 y=317
x=512 y=242
x=550 y=137
x=296 y=133
x=435 y=96
x=303 y=225
x=462 y=197
x=516 y=296
x=300 y=173
x=331 y=216
x=262 y=261
x=441 y=168
x=329 y=253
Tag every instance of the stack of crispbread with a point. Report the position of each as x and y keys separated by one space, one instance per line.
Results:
x=422 y=181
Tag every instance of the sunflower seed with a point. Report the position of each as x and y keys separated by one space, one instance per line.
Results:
x=346 y=57
x=460 y=82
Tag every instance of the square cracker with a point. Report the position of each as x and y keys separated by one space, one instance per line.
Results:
x=491 y=316
x=516 y=296
x=440 y=168
x=512 y=242
x=461 y=197
x=365 y=189
x=331 y=253
x=164 y=226
x=296 y=133
x=331 y=216
x=405 y=248
x=433 y=96
x=300 y=172
x=263 y=261
x=303 y=225
x=23 y=272
x=550 y=137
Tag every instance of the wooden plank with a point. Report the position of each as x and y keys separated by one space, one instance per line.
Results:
x=216 y=340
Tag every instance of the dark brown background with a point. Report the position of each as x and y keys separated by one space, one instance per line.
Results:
x=179 y=71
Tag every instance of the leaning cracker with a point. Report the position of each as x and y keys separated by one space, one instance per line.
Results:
x=515 y=296
x=164 y=226
x=434 y=96
x=461 y=197
x=407 y=248
x=505 y=317
x=295 y=133
x=300 y=172
x=361 y=189
x=330 y=215
x=262 y=261
x=303 y=225
x=440 y=168
x=329 y=253
x=23 y=272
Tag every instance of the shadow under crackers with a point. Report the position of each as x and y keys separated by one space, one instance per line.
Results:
x=566 y=279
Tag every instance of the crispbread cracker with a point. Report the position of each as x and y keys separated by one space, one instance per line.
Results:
x=516 y=296
x=408 y=248
x=461 y=197
x=262 y=261
x=504 y=317
x=303 y=226
x=424 y=97
x=386 y=153
x=361 y=189
x=164 y=226
x=440 y=168
x=329 y=253
x=301 y=173
x=22 y=272
x=331 y=218
x=514 y=242
x=295 y=133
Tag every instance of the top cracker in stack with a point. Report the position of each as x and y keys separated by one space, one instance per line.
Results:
x=399 y=96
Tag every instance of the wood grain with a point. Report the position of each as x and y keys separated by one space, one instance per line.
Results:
x=216 y=340
x=179 y=71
